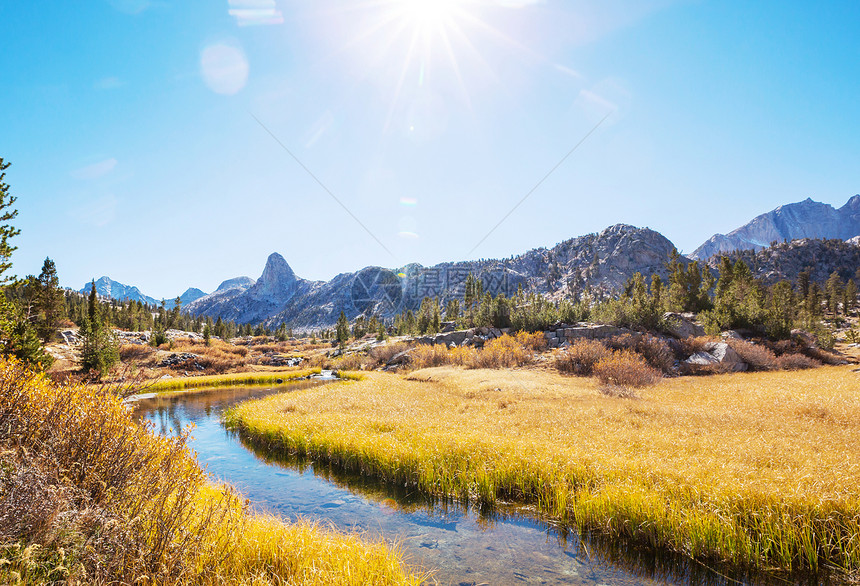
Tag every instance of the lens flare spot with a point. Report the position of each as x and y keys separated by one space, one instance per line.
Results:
x=255 y=12
x=224 y=68
x=408 y=201
x=408 y=228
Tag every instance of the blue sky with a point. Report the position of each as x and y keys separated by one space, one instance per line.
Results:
x=131 y=126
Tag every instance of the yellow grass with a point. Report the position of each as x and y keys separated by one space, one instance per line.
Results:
x=755 y=469
x=223 y=380
x=87 y=495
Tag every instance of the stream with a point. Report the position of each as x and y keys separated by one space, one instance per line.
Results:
x=459 y=544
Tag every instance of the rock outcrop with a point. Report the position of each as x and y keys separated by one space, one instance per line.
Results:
x=805 y=219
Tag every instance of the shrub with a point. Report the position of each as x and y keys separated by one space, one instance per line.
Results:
x=502 y=352
x=691 y=345
x=656 y=351
x=349 y=362
x=135 y=352
x=781 y=347
x=756 y=355
x=796 y=362
x=625 y=368
x=425 y=356
x=128 y=476
x=825 y=338
x=580 y=357
x=320 y=361
x=463 y=356
x=824 y=356
x=380 y=355
x=535 y=341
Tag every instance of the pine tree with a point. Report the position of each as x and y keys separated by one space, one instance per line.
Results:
x=342 y=329
x=833 y=290
x=220 y=328
x=99 y=350
x=803 y=284
x=452 y=310
x=849 y=297
x=7 y=200
x=49 y=300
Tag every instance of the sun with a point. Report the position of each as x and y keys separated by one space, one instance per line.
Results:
x=429 y=15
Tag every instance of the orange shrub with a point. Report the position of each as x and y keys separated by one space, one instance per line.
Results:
x=625 y=368
x=796 y=362
x=825 y=356
x=425 y=356
x=504 y=351
x=534 y=341
x=320 y=361
x=757 y=356
x=463 y=356
x=580 y=357
x=653 y=349
x=380 y=355
x=349 y=362
x=134 y=352
x=691 y=345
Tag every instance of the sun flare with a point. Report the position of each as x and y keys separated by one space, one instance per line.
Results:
x=429 y=14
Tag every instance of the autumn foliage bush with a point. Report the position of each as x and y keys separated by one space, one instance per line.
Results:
x=90 y=496
x=796 y=362
x=625 y=368
x=581 y=357
x=656 y=351
x=425 y=356
x=535 y=341
x=503 y=352
x=380 y=355
x=756 y=355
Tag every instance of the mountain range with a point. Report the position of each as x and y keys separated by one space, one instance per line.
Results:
x=601 y=262
x=805 y=219
x=107 y=287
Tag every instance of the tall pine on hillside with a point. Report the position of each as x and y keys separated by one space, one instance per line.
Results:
x=49 y=301
x=17 y=337
x=99 y=351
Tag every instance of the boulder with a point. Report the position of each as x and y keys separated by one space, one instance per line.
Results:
x=601 y=332
x=399 y=358
x=70 y=337
x=681 y=326
x=701 y=359
x=804 y=338
x=727 y=357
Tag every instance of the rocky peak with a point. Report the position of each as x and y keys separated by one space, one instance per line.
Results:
x=278 y=280
x=852 y=204
x=236 y=283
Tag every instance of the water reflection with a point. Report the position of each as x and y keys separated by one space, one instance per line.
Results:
x=508 y=544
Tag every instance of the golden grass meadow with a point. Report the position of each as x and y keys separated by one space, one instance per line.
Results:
x=757 y=470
